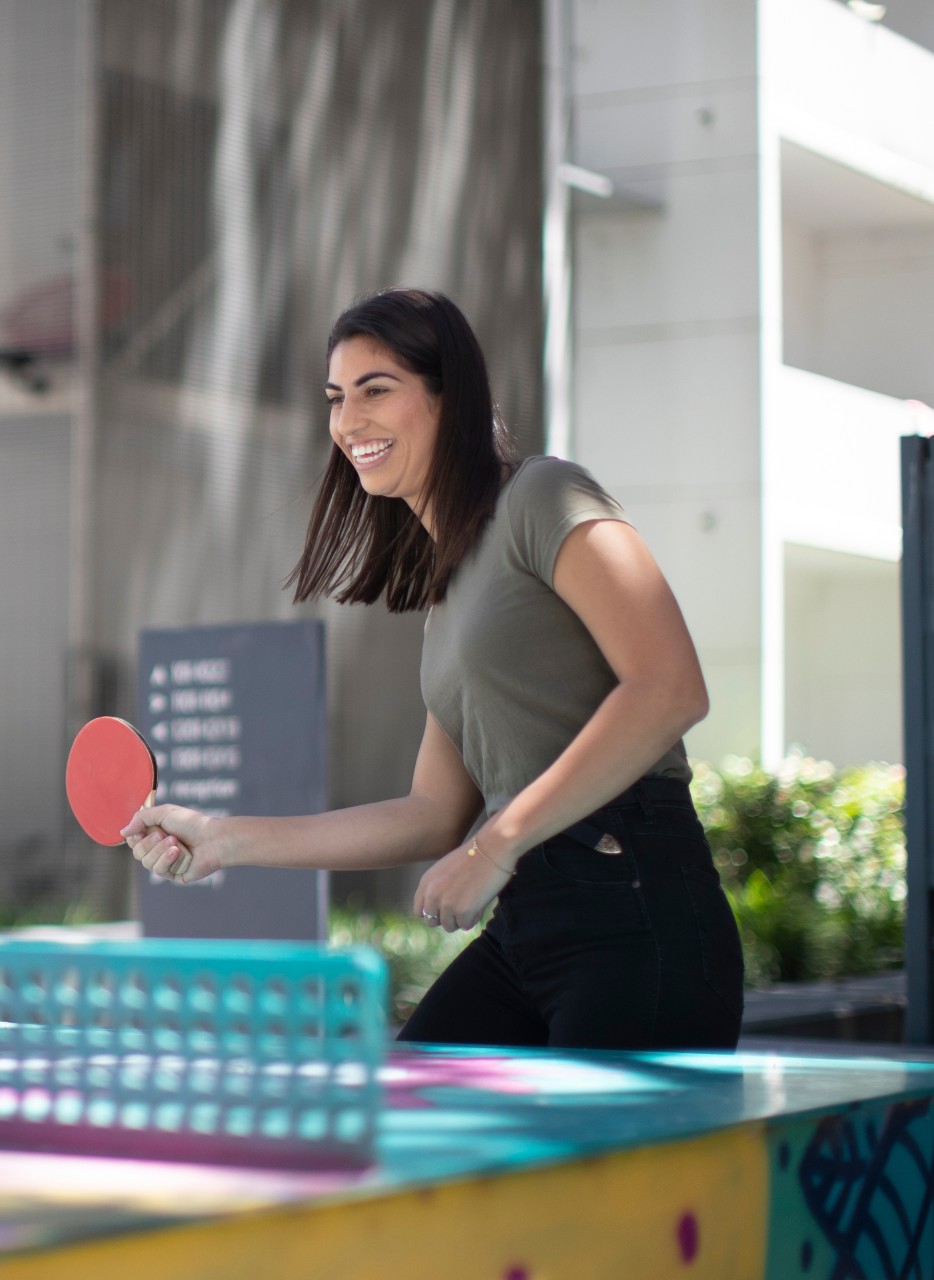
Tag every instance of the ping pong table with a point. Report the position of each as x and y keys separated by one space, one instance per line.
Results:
x=529 y=1165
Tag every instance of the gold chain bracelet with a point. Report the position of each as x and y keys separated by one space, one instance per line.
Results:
x=475 y=849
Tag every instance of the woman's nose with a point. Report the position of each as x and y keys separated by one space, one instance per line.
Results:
x=345 y=421
x=338 y=422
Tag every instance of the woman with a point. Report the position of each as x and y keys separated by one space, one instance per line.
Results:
x=559 y=678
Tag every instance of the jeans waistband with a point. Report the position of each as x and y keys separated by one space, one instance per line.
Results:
x=644 y=794
x=653 y=787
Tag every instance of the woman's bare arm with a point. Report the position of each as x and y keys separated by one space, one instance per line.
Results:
x=607 y=575
x=436 y=814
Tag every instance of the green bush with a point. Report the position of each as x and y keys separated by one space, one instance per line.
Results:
x=813 y=861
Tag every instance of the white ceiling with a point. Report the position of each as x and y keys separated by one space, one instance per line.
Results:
x=819 y=193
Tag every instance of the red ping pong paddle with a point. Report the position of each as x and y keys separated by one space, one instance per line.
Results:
x=111 y=772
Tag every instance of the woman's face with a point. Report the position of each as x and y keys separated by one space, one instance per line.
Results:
x=384 y=419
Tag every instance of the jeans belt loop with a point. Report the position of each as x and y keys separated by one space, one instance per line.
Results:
x=642 y=795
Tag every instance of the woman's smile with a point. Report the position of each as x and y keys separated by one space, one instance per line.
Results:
x=369 y=453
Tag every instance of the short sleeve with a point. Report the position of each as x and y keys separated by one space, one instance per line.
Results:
x=550 y=497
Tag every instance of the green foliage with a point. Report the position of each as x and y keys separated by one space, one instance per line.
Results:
x=813 y=861
x=415 y=953
x=46 y=911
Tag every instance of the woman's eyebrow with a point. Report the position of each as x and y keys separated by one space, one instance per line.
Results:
x=377 y=373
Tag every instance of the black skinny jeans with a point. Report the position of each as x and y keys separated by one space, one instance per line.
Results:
x=634 y=950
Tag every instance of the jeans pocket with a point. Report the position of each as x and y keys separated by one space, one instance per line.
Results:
x=575 y=862
x=721 y=949
x=600 y=893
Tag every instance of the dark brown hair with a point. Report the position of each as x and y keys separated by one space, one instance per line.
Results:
x=359 y=547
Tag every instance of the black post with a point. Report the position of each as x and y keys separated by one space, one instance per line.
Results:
x=918 y=678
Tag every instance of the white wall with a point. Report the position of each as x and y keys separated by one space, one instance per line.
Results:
x=690 y=295
x=835 y=471
x=843 y=650
x=876 y=311
x=849 y=239
x=666 y=402
x=851 y=88
x=858 y=273
x=801 y=265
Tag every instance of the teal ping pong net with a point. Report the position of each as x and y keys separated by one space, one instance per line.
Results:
x=252 y=1053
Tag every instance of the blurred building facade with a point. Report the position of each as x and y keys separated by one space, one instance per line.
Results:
x=190 y=191
x=754 y=306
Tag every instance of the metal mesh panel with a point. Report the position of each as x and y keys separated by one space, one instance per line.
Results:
x=256 y=165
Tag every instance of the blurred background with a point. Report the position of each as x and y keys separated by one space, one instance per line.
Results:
x=191 y=192
x=696 y=240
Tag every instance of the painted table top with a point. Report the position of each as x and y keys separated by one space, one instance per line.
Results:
x=452 y=1114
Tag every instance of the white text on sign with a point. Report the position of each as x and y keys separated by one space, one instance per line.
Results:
x=189 y=759
x=201 y=671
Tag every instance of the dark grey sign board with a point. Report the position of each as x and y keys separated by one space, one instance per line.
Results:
x=236 y=717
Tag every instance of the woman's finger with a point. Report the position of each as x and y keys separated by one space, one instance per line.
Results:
x=142 y=844
x=158 y=853
x=164 y=856
x=182 y=866
x=145 y=819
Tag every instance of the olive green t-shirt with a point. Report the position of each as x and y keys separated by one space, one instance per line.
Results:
x=509 y=671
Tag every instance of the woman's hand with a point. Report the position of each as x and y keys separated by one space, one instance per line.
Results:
x=175 y=843
x=455 y=892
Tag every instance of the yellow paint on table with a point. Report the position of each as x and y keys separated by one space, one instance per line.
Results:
x=696 y=1209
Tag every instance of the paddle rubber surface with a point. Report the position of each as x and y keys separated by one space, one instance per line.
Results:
x=111 y=772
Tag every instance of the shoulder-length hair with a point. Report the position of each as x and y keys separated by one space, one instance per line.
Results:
x=360 y=547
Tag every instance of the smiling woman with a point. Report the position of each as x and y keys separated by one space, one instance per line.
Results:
x=558 y=677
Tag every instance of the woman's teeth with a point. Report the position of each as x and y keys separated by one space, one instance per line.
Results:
x=367 y=452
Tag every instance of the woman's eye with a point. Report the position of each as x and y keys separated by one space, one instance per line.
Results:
x=333 y=400
x=376 y=391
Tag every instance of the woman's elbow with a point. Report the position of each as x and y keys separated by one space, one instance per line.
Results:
x=673 y=705
x=693 y=703
x=682 y=703
x=702 y=707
